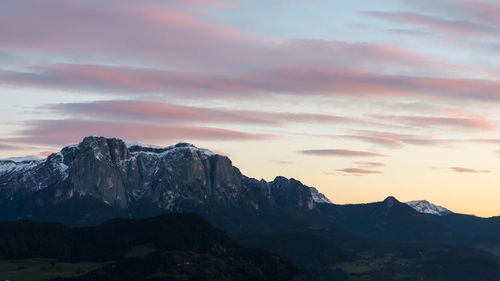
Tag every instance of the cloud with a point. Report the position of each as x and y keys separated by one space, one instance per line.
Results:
x=175 y=32
x=148 y=111
x=283 y=162
x=180 y=35
x=482 y=11
x=432 y=121
x=358 y=171
x=385 y=142
x=4 y=146
x=46 y=153
x=467 y=170
x=400 y=140
x=369 y=164
x=341 y=153
x=454 y=27
x=64 y=132
x=291 y=80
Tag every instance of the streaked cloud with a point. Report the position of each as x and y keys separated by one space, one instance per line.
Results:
x=432 y=121
x=341 y=153
x=369 y=164
x=4 y=146
x=148 y=111
x=309 y=81
x=64 y=132
x=358 y=171
x=455 y=27
x=467 y=170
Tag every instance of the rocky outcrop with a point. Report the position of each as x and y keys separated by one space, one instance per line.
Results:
x=120 y=174
x=291 y=193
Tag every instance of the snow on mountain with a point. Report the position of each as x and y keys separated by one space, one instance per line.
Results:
x=10 y=166
x=424 y=206
x=121 y=174
x=23 y=158
x=130 y=144
x=319 y=197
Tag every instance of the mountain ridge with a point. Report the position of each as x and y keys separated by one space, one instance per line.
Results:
x=121 y=174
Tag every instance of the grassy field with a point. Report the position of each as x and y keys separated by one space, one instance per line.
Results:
x=40 y=269
x=362 y=270
x=138 y=251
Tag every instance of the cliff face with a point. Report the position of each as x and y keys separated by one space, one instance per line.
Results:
x=119 y=174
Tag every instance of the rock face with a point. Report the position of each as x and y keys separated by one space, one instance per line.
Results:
x=290 y=192
x=120 y=174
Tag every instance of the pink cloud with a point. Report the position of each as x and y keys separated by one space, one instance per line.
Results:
x=46 y=153
x=341 y=153
x=429 y=121
x=175 y=32
x=484 y=141
x=148 y=111
x=283 y=80
x=386 y=142
x=369 y=164
x=362 y=55
x=453 y=112
x=64 y=132
x=182 y=35
x=358 y=171
x=467 y=170
x=399 y=140
x=213 y=3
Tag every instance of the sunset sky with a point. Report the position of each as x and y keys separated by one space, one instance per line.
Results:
x=361 y=99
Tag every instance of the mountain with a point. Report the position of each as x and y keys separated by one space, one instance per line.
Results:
x=168 y=247
x=23 y=158
x=104 y=178
x=424 y=206
x=123 y=176
x=389 y=220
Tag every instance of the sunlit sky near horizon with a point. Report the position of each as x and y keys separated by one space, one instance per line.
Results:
x=361 y=99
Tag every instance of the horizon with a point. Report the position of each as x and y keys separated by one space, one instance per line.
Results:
x=360 y=100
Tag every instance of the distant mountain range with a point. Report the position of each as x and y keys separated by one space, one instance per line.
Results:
x=105 y=178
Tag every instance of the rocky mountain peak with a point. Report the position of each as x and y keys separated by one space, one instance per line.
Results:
x=120 y=173
x=291 y=192
x=390 y=201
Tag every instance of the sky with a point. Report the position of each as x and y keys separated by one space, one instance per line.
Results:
x=361 y=99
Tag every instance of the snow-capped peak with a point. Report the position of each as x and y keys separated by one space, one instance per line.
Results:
x=318 y=197
x=424 y=206
x=131 y=144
